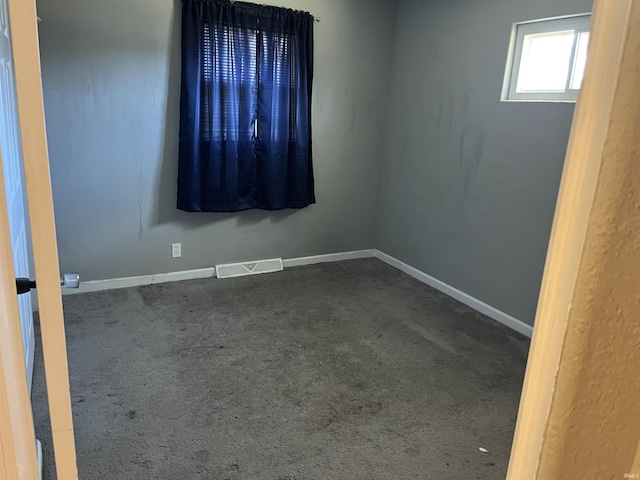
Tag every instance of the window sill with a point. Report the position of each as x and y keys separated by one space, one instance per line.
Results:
x=519 y=100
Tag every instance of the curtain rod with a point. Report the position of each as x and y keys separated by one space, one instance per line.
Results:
x=316 y=19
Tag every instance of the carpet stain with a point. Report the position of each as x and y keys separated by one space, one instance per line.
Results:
x=345 y=410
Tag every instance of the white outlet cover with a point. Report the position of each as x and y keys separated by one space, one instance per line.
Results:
x=176 y=250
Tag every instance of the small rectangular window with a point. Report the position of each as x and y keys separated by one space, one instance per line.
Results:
x=546 y=60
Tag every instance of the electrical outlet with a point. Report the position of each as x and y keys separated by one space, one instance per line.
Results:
x=176 y=250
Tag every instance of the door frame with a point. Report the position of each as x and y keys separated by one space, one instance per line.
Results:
x=579 y=409
x=26 y=61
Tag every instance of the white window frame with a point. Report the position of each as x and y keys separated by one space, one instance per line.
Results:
x=579 y=23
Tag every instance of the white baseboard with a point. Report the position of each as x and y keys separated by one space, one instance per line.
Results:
x=114 y=283
x=462 y=297
x=329 y=257
x=125 y=282
x=488 y=310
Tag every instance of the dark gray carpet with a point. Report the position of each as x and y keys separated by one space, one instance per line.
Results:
x=348 y=370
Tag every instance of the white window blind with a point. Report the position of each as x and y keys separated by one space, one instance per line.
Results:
x=235 y=64
x=229 y=73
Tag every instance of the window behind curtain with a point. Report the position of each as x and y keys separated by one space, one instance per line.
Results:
x=245 y=130
x=282 y=79
x=217 y=41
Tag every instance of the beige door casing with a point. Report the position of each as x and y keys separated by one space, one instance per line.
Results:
x=580 y=408
x=17 y=443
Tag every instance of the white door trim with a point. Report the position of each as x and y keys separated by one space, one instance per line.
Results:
x=15 y=184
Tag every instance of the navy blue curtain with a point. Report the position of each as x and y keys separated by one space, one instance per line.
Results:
x=245 y=109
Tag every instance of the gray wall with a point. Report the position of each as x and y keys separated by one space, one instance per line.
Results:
x=111 y=74
x=469 y=184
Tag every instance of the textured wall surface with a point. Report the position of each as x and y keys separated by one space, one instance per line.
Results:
x=579 y=410
x=111 y=74
x=469 y=183
x=594 y=418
